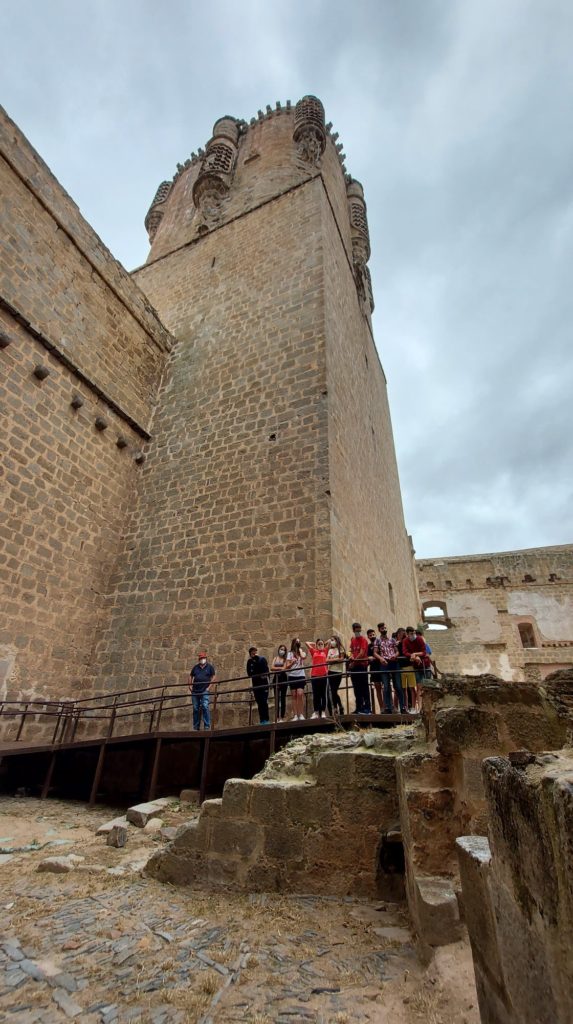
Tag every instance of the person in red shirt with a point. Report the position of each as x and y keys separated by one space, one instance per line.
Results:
x=414 y=648
x=358 y=666
x=318 y=675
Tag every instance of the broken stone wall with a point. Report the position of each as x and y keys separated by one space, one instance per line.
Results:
x=441 y=791
x=518 y=892
x=508 y=613
x=321 y=818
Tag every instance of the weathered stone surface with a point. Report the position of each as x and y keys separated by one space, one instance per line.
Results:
x=60 y=865
x=140 y=814
x=107 y=826
x=236 y=797
x=189 y=796
x=471 y=728
x=153 y=825
x=437 y=911
x=519 y=904
x=117 y=836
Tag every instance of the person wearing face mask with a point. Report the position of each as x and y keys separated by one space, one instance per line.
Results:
x=201 y=676
x=296 y=677
x=318 y=674
x=336 y=661
x=280 y=681
x=358 y=666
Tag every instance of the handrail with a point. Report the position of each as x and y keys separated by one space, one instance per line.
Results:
x=113 y=709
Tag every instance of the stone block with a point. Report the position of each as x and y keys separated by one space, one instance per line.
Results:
x=365 y=807
x=235 y=838
x=474 y=856
x=189 y=796
x=283 y=844
x=107 y=826
x=437 y=914
x=140 y=814
x=237 y=797
x=268 y=801
x=374 y=770
x=224 y=873
x=117 y=836
x=190 y=839
x=334 y=768
x=309 y=805
x=466 y=728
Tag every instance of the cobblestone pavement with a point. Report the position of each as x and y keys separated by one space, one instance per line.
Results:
x=104 y=948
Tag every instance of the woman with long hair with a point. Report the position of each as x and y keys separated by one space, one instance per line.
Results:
x=318 y=674
x=336 y=663
x=280 y=682
x=296 y=678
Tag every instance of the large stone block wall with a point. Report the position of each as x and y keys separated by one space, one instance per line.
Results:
x=247 y=531
x=373 y=575
x=486 y=597
x=518 y=892
x=60 y=278
x=320 y=831
x=229 y=543
x=66 y=306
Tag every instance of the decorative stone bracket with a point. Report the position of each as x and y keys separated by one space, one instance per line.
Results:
x=360 y=244
x=309 y=130
x=216 y=174
x=157 y=209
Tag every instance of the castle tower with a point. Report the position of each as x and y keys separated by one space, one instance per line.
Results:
x=269 y=502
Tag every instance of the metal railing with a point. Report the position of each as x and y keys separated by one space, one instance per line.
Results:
x=159 y=701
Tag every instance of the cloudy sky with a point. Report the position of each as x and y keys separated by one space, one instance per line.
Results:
x=457 y=118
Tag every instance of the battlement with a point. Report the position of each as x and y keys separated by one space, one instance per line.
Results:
x=245 y=165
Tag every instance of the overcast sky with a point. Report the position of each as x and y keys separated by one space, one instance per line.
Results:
x=456 y=116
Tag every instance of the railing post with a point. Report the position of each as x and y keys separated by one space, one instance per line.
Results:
x=58 y=720
x=214 y=708
x=22 y=720
x=112 y=719
x=160 y=712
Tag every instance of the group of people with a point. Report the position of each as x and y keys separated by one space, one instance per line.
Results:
x=395 y=666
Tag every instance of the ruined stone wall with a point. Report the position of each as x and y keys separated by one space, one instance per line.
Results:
x=518 y=892
x=80 y=357
x=321 y=817
x=485 y=598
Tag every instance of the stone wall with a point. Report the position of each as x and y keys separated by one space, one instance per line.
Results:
x=518 y=891
x=328 y=813
x=257 y=521
x=322 y=817
x=441 y=789
x=81 y=353
x=484 y=600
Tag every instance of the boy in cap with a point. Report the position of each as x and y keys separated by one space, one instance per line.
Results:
x=200 y=678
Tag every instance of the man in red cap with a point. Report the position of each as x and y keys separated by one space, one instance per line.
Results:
x=200 y=678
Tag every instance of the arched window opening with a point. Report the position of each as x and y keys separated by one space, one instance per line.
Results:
x=526 y=634
x=435 y=615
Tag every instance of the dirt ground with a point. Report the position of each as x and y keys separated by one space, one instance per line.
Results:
x=102 y=943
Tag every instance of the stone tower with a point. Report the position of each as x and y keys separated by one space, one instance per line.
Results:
x=269 y=502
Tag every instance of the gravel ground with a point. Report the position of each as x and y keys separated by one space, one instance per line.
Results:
x=103 y=944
